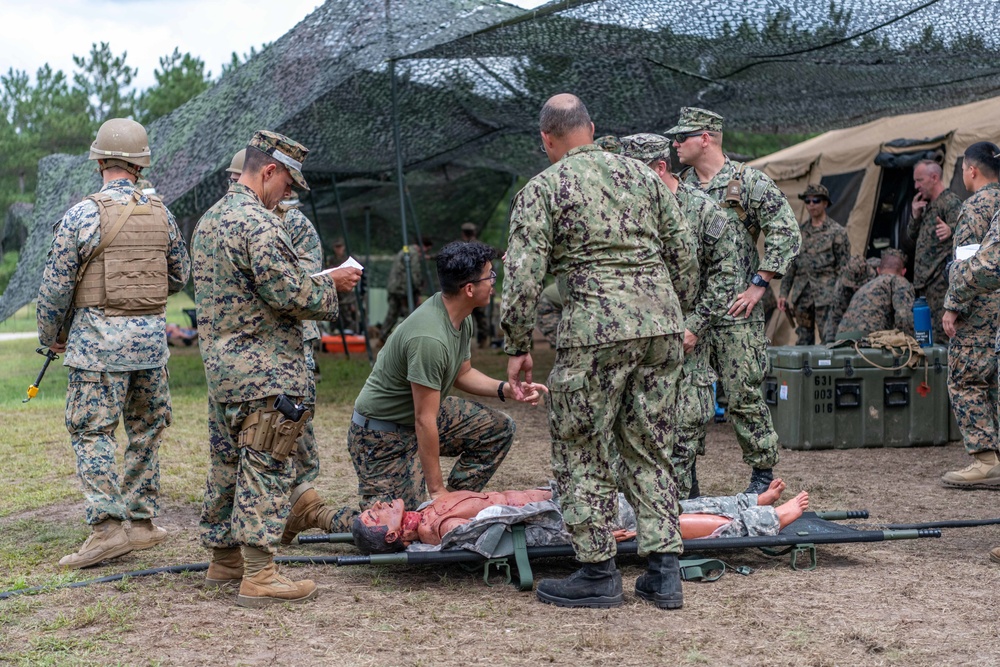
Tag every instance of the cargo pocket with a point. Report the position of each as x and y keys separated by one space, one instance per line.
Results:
x=571 y=414
x=84 y=401
x=703 y=403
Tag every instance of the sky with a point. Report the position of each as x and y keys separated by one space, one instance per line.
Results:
x=53 y=31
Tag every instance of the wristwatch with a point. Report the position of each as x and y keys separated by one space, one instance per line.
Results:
x=759 y=281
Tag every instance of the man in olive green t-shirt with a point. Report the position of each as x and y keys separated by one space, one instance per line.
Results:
x=404 y=420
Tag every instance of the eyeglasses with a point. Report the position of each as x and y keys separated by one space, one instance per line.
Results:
x=492 y=278
x=813 y=200
x=684 y=136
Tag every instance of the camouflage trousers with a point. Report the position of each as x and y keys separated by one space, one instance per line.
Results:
x=246 y=494
x=399 y=308
x=482 y=326
x=808 y=317
x=95 y=401
x=972 y=386
x=739 y=356
x=348 y=307
x=306 y=453
x=935 y=292
x=388 y=466
x=747 y=518
x=695 y=409
x=547 y=319
x=613 y=422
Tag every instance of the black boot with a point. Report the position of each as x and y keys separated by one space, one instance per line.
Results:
x=597 y=585
x=760 y=479
x=661 y=584
x=695 y=490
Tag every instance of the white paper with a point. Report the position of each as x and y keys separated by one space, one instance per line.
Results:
x=963 y=252
x=351 y=263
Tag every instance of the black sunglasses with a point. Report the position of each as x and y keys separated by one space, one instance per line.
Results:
x=813 y=200
x=684 y=136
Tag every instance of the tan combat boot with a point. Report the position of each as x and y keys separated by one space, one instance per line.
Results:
x=268 y=587
x=108 y=540
x=983 y=472
x=226 y=568
x=308 y=511
x=144 y=534
x=995 y=554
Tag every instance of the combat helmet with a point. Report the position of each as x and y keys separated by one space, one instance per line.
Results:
x=236 y=166
x=121 y=142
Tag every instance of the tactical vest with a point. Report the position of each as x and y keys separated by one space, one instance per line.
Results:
x=130 y=276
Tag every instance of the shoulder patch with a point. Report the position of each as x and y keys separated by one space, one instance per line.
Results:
x=718 y=224
x=758 y=189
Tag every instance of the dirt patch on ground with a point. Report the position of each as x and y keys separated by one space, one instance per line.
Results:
x=919 y=602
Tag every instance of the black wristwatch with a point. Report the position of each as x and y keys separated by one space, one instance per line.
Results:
x=759 y=281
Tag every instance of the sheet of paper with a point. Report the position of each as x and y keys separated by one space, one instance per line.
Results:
x=350 y=263
x=963 y=252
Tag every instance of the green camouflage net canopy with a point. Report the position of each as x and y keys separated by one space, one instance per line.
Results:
x=471 y=77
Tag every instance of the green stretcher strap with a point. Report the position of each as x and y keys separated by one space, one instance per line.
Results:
x=526 y=579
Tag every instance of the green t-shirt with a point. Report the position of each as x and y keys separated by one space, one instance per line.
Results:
x=426 y=349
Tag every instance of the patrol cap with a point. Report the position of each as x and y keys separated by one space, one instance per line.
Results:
x=286 y=151
x=694 y=119
x=469 y=227
x=236 y=165
x=816 y=190
x=646 y=147
x=610 y=143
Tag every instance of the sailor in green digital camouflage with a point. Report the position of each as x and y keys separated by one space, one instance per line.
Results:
x=934 y=214
x=396 y=285
x=886 y=302
x=252 y=294
x=550 y=306
x=808 y=286
x=718 y=241
x=116 y=348
x=755 y=206
x=972 y=327
x=625 y=262
x=856 y=272
x=350 y=316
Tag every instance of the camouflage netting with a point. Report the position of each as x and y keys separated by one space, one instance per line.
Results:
x=472 y=75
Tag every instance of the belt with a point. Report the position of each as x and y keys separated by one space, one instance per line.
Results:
x=378 y=424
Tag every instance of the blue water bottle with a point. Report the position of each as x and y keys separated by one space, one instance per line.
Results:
x=922 y=322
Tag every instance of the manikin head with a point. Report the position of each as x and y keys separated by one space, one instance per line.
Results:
x=385 y=528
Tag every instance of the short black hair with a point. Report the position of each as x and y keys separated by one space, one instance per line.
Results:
x=982 y=155
x=560 y=120
x=371 y=539
x=461 y=262
x=256 y=160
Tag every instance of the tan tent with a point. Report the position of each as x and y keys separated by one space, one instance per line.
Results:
x=869 y=170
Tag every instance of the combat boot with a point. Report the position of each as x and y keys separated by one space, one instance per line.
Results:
x=144 y=534
x=597 y=585
x=760 y=479
x=268 y=587
x=995 y=554
x=308 y=511
x=661 y=583
x=226 y=568
x=108 y=540
x=983 y=472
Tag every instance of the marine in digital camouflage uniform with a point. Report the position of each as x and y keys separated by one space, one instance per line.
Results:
x=933 y=204
x=856 y=272
x=252 y=293
x=350 y=316
x=305 y=241
x=116 y=349
x=395 y=287
x=717 y=240
x=883 y=303
x=624 y=258
x=738 y=345
x=809 y=283
x=972 y=361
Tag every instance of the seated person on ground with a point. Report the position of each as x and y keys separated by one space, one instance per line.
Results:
x=388 y=527
x=177 y=335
